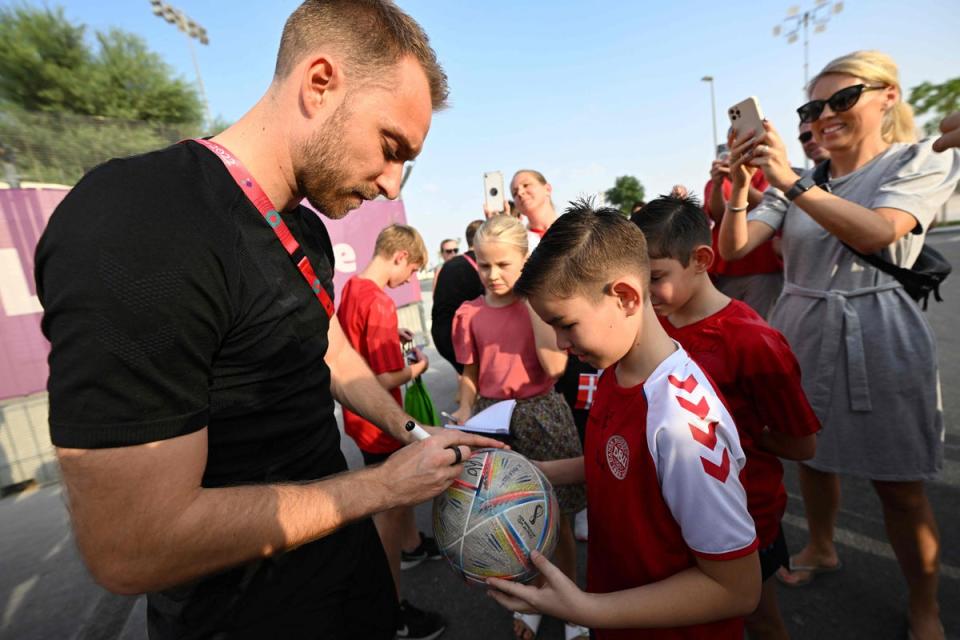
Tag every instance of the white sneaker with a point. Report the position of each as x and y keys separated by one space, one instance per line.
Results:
x=580 y=526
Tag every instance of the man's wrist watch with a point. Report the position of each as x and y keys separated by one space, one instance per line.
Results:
x=802 y=185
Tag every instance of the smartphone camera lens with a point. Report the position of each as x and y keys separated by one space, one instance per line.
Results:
x=494 y=191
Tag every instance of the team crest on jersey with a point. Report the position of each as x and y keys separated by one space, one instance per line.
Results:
x=618 y=456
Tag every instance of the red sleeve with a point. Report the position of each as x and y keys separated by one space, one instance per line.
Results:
x=707 y=192
x=770 y=374
x=759 y=181
x=380 y=337
x=463 y=344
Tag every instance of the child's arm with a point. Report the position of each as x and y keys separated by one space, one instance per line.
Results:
x=712 y=590
x=770 y=377
x=553 y=361
x=566 y=471
x=468 y=392
x=784 y=445
x=393 y=379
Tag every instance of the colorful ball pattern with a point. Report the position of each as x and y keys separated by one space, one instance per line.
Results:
x=494 y=515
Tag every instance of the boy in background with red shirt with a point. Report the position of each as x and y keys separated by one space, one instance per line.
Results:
x=368 y=317
x=749 y=361
x=672 y=548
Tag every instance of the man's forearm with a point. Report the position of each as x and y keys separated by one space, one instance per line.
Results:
x=356 y=387
x=225 y=527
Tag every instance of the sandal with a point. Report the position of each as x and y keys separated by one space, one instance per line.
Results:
x=529 y=620
x=812 y=572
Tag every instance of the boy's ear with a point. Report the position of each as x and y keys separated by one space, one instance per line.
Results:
x=400 y=255
x=629 y=294
x=703 y=257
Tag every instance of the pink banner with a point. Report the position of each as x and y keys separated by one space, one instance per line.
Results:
x=23 y=216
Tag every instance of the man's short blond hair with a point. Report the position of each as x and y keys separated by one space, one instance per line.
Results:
x=371 y=35
x=402 y=237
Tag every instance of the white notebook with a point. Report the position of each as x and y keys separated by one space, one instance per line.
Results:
x=494 y=420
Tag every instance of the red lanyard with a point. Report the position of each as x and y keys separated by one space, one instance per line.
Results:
x=255 y=194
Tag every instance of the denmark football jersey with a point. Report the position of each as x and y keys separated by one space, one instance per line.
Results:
x=752 y=365
x=369 y=320
x=662 y=462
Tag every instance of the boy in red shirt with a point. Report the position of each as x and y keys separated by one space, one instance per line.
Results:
x=749 y=361
x=368 y=317
x=672 y=548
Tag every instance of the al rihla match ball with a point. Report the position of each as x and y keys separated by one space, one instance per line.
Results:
x=494 y=515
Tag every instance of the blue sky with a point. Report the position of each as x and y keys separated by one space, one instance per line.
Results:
x=582 y=91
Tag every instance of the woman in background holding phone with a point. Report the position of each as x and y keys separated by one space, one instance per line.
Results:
x=867 y=354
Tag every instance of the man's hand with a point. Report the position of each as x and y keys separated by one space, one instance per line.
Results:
x=719 y=170
x=421 y=470
x=405 y=335
x=559 y=596
x=950 y=127
x=461 y=415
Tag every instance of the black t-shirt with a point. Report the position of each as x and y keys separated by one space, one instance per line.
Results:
x=457 y=283
x=170 y=305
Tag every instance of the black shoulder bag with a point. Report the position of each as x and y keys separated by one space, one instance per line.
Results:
x=920 y=280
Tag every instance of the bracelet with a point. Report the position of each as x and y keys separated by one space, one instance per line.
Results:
x=736 y=209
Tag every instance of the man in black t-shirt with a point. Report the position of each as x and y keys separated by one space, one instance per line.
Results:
x=457 y=283
x=193 y=369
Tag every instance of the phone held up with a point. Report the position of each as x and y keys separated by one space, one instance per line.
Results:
x=493 y=198
x=746 y=116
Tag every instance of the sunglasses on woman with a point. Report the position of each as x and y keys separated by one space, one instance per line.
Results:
x=842 y=100
x=453 y=251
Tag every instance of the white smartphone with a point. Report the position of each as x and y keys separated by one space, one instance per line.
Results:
x=745 y=116
x=493 y=191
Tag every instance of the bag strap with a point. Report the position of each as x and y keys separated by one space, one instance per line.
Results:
x=473 y=263
x=821 y=176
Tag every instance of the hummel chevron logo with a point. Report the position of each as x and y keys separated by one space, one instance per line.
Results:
x=707 y=438
x=700 y=409
x=687 y=385
x=720 y=471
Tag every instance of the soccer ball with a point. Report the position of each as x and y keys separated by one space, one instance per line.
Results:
x=494 y=515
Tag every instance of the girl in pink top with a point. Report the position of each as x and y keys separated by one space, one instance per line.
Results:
x=508 y=352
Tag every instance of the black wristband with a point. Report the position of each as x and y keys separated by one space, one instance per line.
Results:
x=800 y=186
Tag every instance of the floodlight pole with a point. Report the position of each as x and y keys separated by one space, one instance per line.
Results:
x=713 y=111
x=193 y=31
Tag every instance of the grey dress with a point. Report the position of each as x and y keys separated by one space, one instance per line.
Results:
x=867 y=355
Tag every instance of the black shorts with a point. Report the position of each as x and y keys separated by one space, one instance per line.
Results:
x=774 y=556
x=337 y=588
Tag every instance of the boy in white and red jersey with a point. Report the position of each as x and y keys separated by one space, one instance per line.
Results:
x=672 y=550
x=749 y=361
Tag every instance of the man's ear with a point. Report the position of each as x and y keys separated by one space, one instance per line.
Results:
x=400 y=255
x=628 y=293
x=703 y=258
x=321 y=75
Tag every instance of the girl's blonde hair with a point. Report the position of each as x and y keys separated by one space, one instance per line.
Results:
x=505 y=229
x=875 y=67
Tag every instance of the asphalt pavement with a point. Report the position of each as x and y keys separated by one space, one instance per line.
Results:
x=45 y=591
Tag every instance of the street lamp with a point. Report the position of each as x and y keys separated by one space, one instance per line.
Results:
x=790 y=26
x=713 y=110
x=193 y=31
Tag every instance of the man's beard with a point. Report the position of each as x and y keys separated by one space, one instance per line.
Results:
x=322 y=172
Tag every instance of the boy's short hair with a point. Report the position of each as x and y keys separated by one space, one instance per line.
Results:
x=472 y=231
x=582 y=252
x=401 y=237
x=673 y=227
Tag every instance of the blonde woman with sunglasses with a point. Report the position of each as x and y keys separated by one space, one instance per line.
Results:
x=867 y=354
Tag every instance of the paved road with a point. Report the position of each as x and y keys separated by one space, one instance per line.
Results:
x=46 y=593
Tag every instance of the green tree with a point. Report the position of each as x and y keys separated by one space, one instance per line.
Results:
x=936 y=100
x=626 y=191
x=66 y=106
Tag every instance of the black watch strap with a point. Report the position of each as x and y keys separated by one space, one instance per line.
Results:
x=802 y=185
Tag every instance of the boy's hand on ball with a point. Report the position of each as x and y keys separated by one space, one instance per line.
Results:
x=559 y=596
